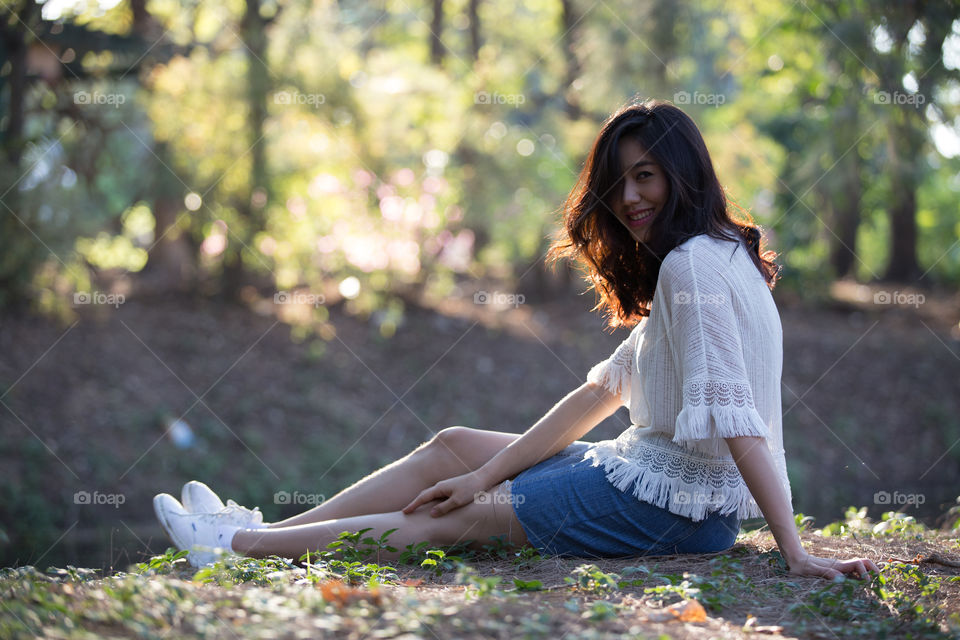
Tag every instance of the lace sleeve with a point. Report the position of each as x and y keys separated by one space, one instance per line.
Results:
x=704 y=336
x=614 y=373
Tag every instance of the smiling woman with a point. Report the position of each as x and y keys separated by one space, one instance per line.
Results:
x=699 y=372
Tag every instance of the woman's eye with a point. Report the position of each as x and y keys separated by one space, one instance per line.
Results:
x=643 y=174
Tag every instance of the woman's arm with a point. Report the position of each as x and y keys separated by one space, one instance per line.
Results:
x=570 y=419
x=580 y=411
x=756 y=467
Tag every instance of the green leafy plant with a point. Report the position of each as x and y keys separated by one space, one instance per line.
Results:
x=355 y=547
x=162 y=564
x=527 y=585
x=438 y=561
x=73 y=574
x=590 y=578
x=678 y=587
x=478 y=586
x=526 y=556
x=414 y=553
x=239 y=569
x=600 y=610
x=803 y=522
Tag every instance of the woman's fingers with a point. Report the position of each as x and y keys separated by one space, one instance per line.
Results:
x=431 y=493
x=458 y=491
x=829 y=568
x=859 y=566
x=446 y=507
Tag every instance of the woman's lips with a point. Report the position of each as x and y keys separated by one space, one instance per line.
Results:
x=639 y=217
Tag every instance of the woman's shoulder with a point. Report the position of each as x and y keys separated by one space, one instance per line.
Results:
x=701 y=250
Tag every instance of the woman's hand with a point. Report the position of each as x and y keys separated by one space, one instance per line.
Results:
x=808 y=565
x=458 y=491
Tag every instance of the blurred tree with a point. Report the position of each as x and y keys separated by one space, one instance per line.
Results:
x=476 y=40
x=437 y=48
x=49 y=97
x=840 y=190
x=910 y=69
x=304 y=144
x=569 y=27
x=253 y=28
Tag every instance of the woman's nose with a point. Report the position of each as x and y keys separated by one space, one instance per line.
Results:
x=630 y=192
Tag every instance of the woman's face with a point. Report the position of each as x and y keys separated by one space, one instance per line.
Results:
x=643 y=189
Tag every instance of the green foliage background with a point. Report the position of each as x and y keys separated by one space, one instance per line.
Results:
x=385 y=164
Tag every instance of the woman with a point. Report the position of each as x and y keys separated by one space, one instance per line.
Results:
x=700 y=373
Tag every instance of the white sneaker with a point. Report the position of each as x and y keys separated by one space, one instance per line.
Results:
x=199 y=498
x=205 y=536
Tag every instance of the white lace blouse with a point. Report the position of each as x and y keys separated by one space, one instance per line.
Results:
x=703 y=366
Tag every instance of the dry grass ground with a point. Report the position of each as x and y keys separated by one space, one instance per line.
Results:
x=508 y=593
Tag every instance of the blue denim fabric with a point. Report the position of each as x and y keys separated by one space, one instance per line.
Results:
x=567 y=507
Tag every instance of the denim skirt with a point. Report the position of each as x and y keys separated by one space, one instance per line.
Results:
x=567 y=507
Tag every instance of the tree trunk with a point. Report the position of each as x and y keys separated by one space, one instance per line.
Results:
x=846 y=196
x=15 y=46
x=846 y=220
x=570 y=22
x=663 y=41
x=473 y=15
x=903 y=152
x=436 y=31
x=19 y=248
x=172 y=260
x=904 y=142
x=255 y=41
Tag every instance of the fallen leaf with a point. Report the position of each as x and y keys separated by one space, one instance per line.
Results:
x=686 y=611
x=336 y=592
x=412 y=582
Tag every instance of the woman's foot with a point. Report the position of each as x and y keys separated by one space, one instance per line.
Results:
x=205 y=536
x=199 y=498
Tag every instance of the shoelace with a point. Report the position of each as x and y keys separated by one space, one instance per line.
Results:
x=230 y=508
x=233 y=507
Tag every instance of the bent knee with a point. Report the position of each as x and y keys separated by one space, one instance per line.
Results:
x=462 y=449
x=453 y=438
x=450 y=448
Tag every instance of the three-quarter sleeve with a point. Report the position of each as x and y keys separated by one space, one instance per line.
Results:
x=704 y=337
x=615 y=373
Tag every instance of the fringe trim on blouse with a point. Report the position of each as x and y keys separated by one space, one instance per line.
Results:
x=683 y=484
x=703 y=427
x=613 y=377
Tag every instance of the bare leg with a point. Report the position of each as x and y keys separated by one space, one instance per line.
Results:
x=475 y=521
x=451 y=452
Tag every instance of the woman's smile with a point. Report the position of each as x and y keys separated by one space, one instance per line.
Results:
x=640 y=217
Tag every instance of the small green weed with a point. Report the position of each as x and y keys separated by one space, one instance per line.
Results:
x=477 y=586
x=349 y=545
x=231 y=570
x=438 y=561
x=590 y=578
x=162 y=564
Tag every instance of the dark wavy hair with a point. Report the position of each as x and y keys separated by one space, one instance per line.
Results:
x=621 y=270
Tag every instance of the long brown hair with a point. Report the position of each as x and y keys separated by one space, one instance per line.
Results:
x=621 y=270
